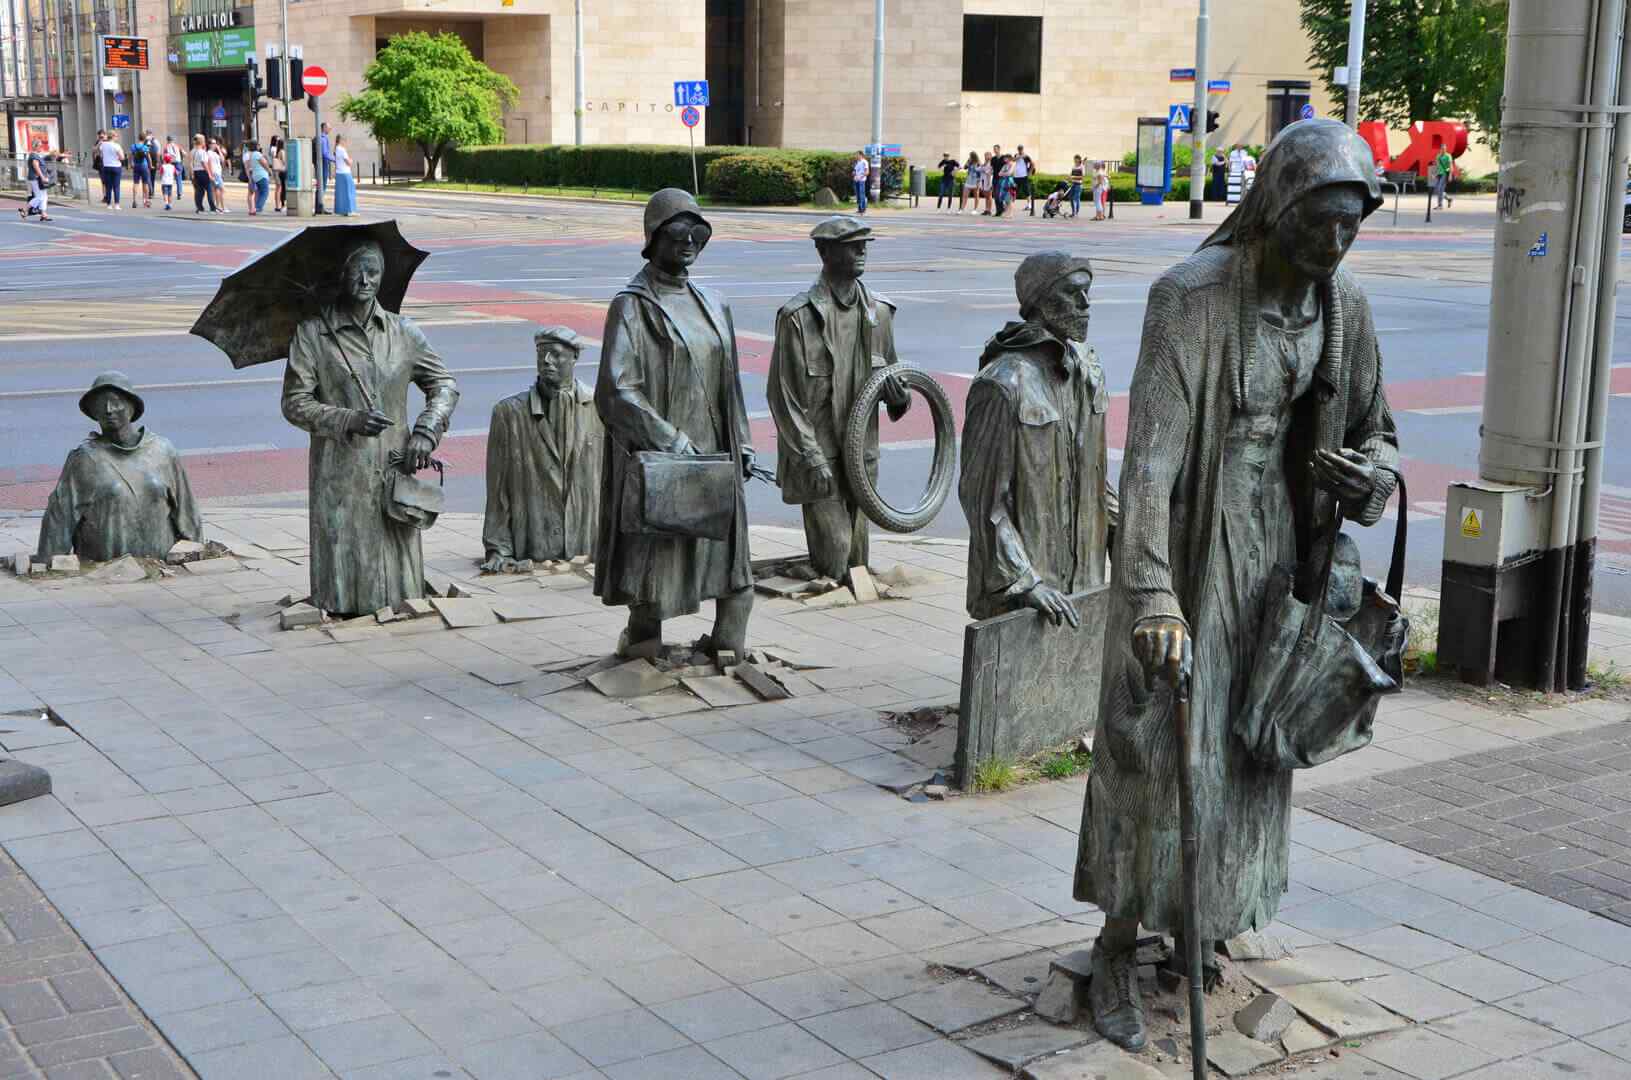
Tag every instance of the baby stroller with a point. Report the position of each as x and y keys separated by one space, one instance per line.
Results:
x=1056 y=200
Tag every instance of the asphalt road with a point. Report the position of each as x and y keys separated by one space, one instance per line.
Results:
x=97 y=289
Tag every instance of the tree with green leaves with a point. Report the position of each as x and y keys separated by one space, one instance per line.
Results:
x=428 y=90
x=1424 y=59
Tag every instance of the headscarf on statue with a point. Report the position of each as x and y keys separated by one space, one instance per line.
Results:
x=1304 y=157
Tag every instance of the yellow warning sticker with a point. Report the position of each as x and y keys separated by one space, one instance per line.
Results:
x=1471 y=527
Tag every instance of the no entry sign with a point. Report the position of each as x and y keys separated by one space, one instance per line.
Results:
x=314 y=79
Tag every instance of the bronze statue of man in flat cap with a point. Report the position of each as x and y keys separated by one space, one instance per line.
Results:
x=829 y=339
x=1034 y=484
x=543 y=463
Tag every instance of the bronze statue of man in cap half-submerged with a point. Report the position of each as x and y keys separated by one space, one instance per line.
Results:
x=543 y=463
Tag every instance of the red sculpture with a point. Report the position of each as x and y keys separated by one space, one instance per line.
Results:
x=1426 y=136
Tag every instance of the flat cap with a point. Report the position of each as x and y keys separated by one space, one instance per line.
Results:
x=564 y=335
x=1038 y=272
x=844 y=228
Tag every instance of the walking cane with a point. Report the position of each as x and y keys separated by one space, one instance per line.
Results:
x=1188 y=763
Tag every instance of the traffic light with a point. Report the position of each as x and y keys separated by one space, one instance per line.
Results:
x=311 y=103
x=1211 y=120
x=274 y=77
x=297 y=69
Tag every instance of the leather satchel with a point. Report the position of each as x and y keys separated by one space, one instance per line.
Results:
x=684 y=495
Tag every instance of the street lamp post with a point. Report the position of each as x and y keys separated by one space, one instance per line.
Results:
x=875 y=183
x=1356 y=60
x=577 y=72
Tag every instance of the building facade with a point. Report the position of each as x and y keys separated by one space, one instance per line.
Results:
x=1061 y=77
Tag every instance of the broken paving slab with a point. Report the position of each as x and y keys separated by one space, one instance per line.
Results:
x=298 y=616
x=416 y=606
x=461 y=613
x=226 y=564
x=125 y=570
x=862 y=586
x=1232 y=1054
x=760 y=682
x=1018 y=1047
x=720 y=691
x=65 y=564
x=1253 y=944
x=20 y=781
x=961 y=1003
x=636 y=678
x=1101 y=1060
x=1302 y=1037
x=1018 y=974
x=1266 y=1018
x=1339 y=1010
x=781 y=585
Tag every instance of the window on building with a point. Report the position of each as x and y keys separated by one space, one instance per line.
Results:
x=1002 y=53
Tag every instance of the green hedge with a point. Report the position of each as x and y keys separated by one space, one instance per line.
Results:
x=648 y=168
x=756 y=179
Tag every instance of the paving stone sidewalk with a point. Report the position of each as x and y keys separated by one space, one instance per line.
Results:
x=391 y=857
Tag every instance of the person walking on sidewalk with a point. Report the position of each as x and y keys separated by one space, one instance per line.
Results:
x=1024 y=167
x=345 y=184
x=217 y=167
x=260 y=177
x=199 y=164
x=141 y=171
x=40 y=178
x=111 y=158
x=1101 y=191
x=1444 y=170
x=971 y=182
x=859 y=172
x=988 y=178
x=280 y=170
x=948 y=183
x=325 y=166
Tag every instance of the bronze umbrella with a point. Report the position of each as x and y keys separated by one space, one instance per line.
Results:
x=254 y=314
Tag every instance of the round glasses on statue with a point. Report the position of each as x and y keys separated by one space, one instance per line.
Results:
x=687 y=232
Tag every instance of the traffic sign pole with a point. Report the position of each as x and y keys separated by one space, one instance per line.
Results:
x=1197 y=118
x=690 y=117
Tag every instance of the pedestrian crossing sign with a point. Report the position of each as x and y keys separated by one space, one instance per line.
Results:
x=1471 y=527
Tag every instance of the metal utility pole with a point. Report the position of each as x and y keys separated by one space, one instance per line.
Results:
x=577 y=72
x=79 y=81
x=1520 y=542
x=287 y=71
x=1197 y=118
x=136 y=125
x=11 y=50
x=875 y=177
x=96 y=58
x=1356 y=60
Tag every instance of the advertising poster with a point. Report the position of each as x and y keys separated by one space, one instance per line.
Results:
x=35 y=133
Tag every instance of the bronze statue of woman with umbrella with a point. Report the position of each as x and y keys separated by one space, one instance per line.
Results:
x=328 y=299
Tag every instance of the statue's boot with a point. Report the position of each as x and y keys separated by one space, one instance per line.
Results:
x=1113 y=994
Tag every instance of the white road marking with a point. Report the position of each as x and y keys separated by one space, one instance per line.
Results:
x=1446 y=410
x=247 y=448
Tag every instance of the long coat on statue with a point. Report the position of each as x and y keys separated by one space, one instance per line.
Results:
x=1213 y=479
x=543 y=475
x=361 y=560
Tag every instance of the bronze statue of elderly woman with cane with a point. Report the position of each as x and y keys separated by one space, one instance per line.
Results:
x=1257 y=418
x=673 y=517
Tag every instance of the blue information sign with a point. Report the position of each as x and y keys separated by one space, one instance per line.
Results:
x=689 y=116
x=1181 y=75
x=1217 y=86
x=694 y=92
x=1178 y=117
x=119 y=98
x=220 y=113
x=1306 y=112
x=121 y=120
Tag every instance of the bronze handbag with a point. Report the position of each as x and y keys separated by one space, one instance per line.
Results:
x=1317 y=683
x=410 y=500
x=689 y=495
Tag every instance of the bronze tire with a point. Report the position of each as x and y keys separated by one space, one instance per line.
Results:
x=945 y=450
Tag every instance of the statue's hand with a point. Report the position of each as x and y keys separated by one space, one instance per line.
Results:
x=1053 y=604
x=682 y=444
x=1350 y=476
x=369 y=423
x=1159 y=643
x=823 y=482
x=897 y=398
x=748 y=459
x=420 y=447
